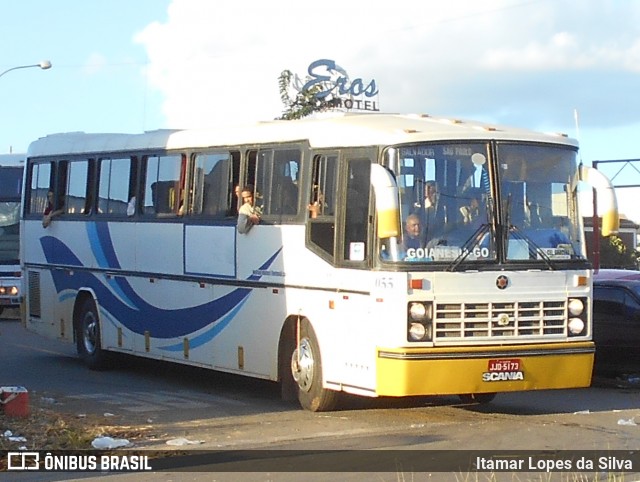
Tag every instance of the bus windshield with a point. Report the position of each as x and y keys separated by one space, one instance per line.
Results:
x=450 y=214
x=10 y=190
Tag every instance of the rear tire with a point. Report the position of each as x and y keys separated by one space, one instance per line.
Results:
x=88 y=338
x=306 y=367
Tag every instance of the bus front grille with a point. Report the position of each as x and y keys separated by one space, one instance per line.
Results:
x=475 y=321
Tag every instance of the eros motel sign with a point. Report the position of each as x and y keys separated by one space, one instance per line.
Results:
x=335 y=85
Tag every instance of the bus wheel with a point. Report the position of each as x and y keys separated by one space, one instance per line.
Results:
x=306 y=367
x=479 y=398
x=88 y=337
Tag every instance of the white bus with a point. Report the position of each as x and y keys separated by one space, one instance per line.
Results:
x=11 y=170
x=324 y=295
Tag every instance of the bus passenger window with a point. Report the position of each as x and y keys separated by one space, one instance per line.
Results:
x=211 y=184
x=357 y=208
x=162 y=185
x=77 y=184
x=114 y=186
x=321 y=205
x=277 y=181
x=40 y=182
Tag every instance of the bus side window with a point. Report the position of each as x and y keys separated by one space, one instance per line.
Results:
x=40 y=182
x=114 y=186
x=162 y=188
x=211 y=184
x=234 y=184
x=276 y=182
x=285 y=195
x=76 y=187
x=357 y=209
x=60 y=175
x=321 y=204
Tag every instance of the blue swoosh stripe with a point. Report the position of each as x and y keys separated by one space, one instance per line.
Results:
x=126 y=306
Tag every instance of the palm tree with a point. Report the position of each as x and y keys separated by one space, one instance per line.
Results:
x=304 y=103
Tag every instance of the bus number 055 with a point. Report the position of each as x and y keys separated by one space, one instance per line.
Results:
x=384 y=283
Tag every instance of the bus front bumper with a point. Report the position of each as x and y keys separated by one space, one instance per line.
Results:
x=465 y=370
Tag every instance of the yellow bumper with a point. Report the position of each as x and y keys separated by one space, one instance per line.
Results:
x=461 y=370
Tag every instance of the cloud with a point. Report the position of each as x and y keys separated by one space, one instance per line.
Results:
x=528 y=63
x=94 y=64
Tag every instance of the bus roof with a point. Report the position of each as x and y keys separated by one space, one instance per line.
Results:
x=12 y=160
x=321 y=131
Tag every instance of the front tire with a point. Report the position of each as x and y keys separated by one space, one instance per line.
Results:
x=88 y=338
x=306 y=367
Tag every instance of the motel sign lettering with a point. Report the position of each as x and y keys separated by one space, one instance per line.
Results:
x=333 y=79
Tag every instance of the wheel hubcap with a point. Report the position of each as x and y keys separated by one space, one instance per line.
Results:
x=302 y=365
x=90 y=335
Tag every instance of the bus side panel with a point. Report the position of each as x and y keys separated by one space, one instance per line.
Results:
x=41 y=299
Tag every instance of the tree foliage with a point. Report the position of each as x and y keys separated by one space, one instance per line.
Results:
x=303 y=103
x=615 y=254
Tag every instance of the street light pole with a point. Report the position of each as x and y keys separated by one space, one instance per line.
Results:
x=44 y=65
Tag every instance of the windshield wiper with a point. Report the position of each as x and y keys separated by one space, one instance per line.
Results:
x=475 y=238
x=534 y=249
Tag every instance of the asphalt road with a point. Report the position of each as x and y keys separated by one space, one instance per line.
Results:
x=209 y=411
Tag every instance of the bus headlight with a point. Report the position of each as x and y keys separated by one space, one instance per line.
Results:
x=417 y=331
x=576 y=326
x=576 y=307
x=9 y=290
x=419 y=316
x=419 y=311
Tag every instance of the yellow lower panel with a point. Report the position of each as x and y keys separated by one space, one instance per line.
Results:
x=460 y=370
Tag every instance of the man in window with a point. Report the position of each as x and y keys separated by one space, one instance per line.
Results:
x=50 y=210
x=412 y=233
x=249 y=214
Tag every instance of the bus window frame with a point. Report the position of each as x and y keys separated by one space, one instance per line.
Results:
x=132 y=159
x=28 y=211
x=371 y=154
x=323 y=218
x=272 y=150
x=143 y=163
x=89 y=184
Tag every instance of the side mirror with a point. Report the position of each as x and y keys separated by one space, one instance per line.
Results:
x=387 y=207
x=606 y=196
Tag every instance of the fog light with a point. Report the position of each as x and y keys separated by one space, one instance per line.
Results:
x=417 y=331
x=576 y=307
x=576 y=325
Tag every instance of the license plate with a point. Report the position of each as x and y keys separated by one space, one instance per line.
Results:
x=505 y=365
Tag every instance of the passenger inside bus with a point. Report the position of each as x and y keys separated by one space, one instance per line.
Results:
x=235 y=202
x=474 y=211
x=317 y=205
x=412 y=237
x=249 y=214
x=51 y=210
x=431 y=212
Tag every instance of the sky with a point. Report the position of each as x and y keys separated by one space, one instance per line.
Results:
x=135 y=65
